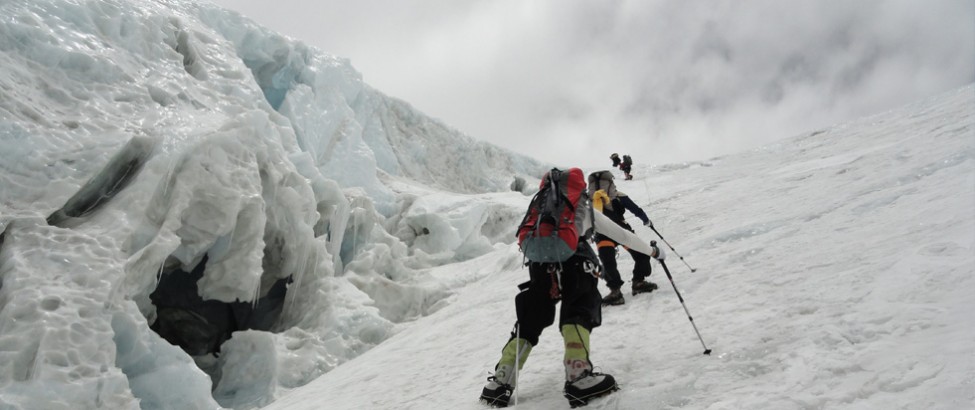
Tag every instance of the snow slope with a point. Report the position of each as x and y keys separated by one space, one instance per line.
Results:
x=834 y=270
x=142 y=141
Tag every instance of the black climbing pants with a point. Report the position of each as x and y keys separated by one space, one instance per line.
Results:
x=571 y=282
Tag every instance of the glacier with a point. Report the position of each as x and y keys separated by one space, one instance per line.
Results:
x=199 y=213
x=171 y=171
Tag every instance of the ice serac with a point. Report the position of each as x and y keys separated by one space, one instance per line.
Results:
x=174 y=175
x=228 y=226
x=350 y=129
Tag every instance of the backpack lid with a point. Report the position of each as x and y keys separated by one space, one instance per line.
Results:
x=546 y=179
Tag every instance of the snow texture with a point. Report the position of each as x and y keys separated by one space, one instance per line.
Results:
x=139 y=138
x=834 y=270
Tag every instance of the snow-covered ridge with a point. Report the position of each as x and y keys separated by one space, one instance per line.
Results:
x=170 y=164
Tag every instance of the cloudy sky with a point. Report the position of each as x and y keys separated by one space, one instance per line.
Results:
x=571 y=81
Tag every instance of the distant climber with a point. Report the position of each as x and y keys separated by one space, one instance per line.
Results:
x=625 y=164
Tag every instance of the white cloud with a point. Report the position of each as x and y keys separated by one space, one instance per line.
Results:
x=571 y=81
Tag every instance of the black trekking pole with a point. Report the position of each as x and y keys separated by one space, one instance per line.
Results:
x=679 y=297
x=672 y=249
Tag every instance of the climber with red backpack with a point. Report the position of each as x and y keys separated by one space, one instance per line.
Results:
x=625 y=164
x=613 y=203
x=562 y=267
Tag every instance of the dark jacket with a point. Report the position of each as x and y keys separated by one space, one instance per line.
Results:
x=617 y=209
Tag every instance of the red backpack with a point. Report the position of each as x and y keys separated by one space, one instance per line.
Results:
x=548 y=232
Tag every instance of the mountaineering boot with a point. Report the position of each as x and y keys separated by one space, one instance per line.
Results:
x=498 y=391
x=587 y=387
x=581 y=383
x=643 y=286
x=615 y=297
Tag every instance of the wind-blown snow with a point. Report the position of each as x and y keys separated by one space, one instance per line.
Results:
x=140 y=139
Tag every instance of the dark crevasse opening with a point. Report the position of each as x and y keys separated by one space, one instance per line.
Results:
x=200 y=326
x=108 y=182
